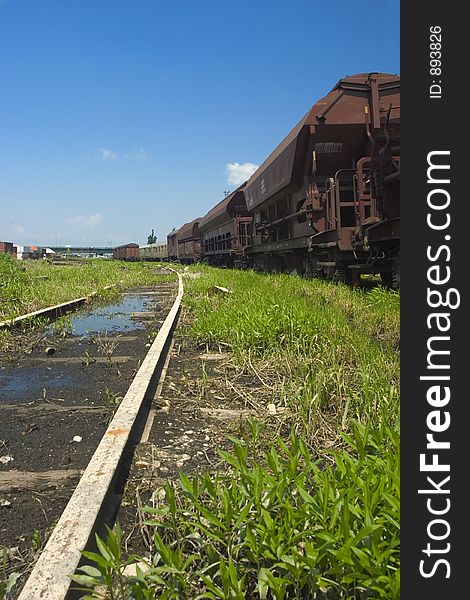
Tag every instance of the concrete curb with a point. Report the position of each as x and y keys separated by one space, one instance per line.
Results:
x=50 y=578
x=52 y=311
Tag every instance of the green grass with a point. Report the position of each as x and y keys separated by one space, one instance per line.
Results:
x=284 y=527
x=267 y=313
x=26 y=286
x=8 y=577
x=314 y=514
x=333 y=350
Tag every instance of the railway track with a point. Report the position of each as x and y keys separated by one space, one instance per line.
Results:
x=95 y=500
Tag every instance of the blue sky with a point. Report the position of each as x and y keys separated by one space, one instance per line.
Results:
x=117 y=117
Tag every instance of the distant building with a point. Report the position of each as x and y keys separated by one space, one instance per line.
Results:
x=8 y=248
x=23 y=252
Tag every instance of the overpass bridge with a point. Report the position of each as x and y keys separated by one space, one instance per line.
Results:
x=85 y=252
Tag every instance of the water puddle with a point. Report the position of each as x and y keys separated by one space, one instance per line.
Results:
x=53 y=379
x=113 y=318
x=31 y=381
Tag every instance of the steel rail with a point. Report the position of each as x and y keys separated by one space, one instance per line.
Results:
x=53 y=311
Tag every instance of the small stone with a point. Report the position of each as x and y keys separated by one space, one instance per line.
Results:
x=160 y=494
x=183 y=458
x=4 y=502
x=188 y=432
x=271 y=409
x=164 y=469
x=218 y=289
x=6 y=459
x=77 y=438
x=131 y=570
x=13 y=552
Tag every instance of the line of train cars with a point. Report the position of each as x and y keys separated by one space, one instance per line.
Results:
x=326 y=201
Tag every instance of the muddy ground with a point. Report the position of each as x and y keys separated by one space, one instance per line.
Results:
x=205 y=396
x=54 y=409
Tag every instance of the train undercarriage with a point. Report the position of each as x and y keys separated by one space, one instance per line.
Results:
x=327 y=261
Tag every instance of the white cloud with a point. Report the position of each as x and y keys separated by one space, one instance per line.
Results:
x=106 y=154
x=90 y=222
x=237 y=173
x=140 y=154
x=17 y=228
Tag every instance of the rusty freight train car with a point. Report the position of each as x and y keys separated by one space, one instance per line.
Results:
x=126 y=252
x=326 y=201
x=225 y=230
x=188 y=240
x=172 y=245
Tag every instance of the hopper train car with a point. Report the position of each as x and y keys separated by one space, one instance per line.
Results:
x=154 y=251
x=326 y=201
x=188 y=242
x=172 y=245
x=126 y=252
x=225 y=230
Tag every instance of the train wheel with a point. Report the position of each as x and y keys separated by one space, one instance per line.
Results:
x=341 y=274
x=345 y=275
x=354 y=278
x=387 y=278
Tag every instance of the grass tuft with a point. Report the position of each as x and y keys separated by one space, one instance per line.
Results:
x=283 y=528
x=27 y=286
